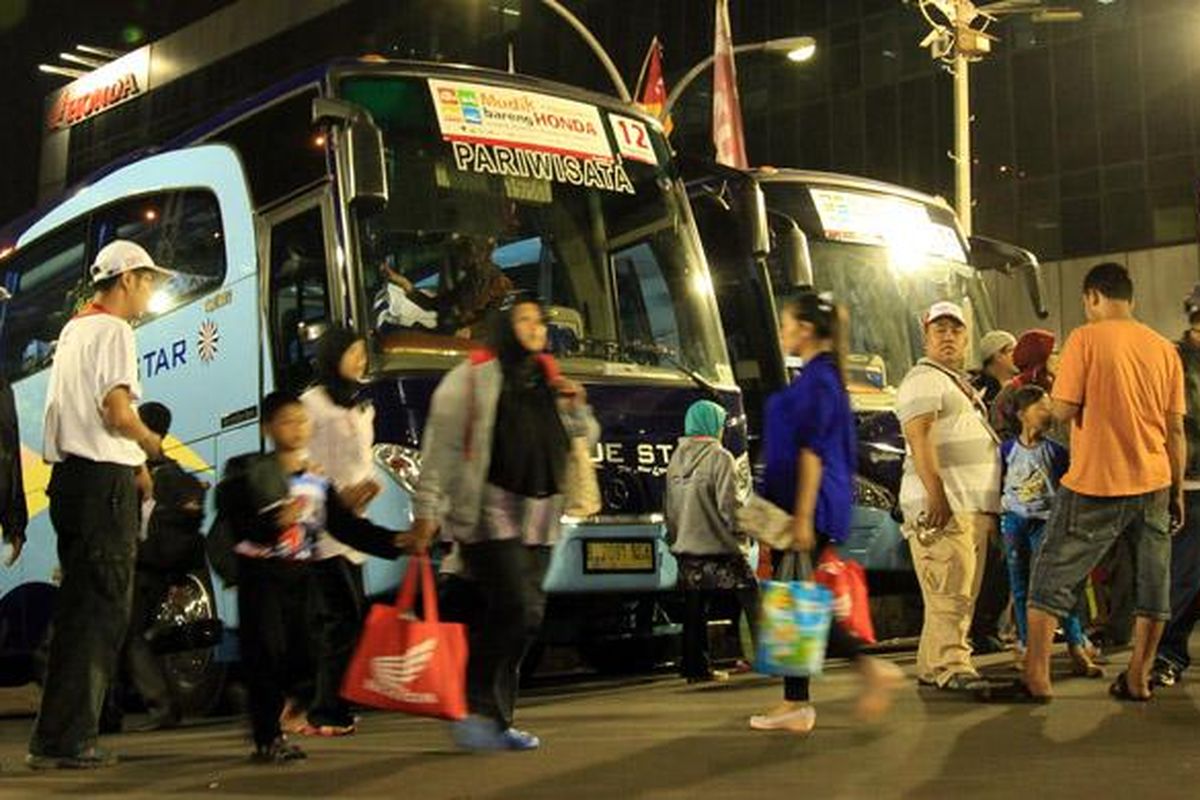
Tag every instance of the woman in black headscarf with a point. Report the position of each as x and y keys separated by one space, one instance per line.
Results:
x=343 y=423
x=493 y=476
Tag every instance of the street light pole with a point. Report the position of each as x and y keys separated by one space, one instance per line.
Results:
x=958 y=37
x=962 y=140
x=614 y=74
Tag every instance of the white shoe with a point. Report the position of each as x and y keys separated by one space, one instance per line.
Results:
x=802 y=720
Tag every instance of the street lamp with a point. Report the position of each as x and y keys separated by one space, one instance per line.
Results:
x=958 y=37
x=797 y=49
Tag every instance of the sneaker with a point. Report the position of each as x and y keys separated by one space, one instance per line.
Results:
x=802 y=720
x=1165 y=674
x=964 y=682
x=478 y=734
x=91 y=758
x=280 y=751
x=520 y=740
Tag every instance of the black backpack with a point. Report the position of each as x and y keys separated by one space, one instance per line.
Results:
x=249 y=482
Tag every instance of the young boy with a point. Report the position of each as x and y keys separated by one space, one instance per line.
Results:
x=279 y=504
x=701 y=501
x=1033 y=466
x=171 y=545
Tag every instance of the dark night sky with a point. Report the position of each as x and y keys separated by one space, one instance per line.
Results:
x=1087 y=135
x=35 y=31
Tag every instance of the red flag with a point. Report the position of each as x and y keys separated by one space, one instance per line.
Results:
x=728 y=136
x=653 y=86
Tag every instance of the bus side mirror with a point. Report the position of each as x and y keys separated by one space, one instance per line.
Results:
x=793 y=250
x=752 y=208
x=1005 y=258
x=360 y=154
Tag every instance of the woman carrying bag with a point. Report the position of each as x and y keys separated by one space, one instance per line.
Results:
x=810 y=461
x=343 y=432
x=500 y=464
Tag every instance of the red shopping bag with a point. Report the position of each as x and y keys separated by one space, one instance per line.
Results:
x=848 y=582
x=410 y=665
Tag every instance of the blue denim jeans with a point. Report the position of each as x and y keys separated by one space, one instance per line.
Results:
x=1022 y=540
x=1185 y=586
x=1080 y=532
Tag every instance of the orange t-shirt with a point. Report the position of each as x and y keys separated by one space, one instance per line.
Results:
x=1128 y=380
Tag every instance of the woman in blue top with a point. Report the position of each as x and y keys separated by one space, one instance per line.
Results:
x=810 y=449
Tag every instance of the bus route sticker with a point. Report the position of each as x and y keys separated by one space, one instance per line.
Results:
x=633 y=140
x=522 y=134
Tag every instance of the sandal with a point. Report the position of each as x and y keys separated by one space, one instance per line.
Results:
x=1017 y=692
x=1121 y=691
x=1083 y=666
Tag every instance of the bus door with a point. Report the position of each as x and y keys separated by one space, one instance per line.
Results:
x=303 y=289
x=300 y=252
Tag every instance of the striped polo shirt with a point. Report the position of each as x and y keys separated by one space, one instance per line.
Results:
x=968 y=456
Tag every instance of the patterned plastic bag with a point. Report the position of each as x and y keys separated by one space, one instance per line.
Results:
x=794 y=621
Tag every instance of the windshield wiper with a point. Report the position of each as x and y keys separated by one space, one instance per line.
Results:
x=667 y=354
x=637 y=352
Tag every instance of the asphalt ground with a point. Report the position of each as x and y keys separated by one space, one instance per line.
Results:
x=656 y=737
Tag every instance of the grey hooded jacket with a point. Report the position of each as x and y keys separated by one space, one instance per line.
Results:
x=457 y=448
x=702 y=498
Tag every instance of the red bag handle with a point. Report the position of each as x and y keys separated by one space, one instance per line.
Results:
x=419 y=569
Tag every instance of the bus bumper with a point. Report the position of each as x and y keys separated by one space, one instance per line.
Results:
x=621 y=558
x=876 y=542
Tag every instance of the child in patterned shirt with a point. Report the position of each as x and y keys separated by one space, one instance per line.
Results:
x=1033 y=466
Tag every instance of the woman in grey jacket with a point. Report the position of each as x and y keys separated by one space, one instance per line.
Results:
x=493 y=468
x=701 y=501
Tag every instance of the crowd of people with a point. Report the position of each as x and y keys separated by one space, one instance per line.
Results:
x=292 y=525
x=1081 y=457
x=1021 y=479
x=987 y=467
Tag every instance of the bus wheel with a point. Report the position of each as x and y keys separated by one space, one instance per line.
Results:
x=196 y=677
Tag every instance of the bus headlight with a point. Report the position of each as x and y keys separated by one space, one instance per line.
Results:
x=402 y=464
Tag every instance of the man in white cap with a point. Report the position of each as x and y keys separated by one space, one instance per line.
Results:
x=98 y=446
x=997 y=367
x=949 y=495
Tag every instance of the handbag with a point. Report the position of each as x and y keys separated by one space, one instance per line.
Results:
x=794 y=619
x=766 y=522
x=847 y=582
x=405 y=664
x=580 y=485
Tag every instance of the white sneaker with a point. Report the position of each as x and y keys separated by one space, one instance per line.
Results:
x=802 y=720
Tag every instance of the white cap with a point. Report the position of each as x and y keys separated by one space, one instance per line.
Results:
x=945 y=308
x=993 y=342
x=120 y=256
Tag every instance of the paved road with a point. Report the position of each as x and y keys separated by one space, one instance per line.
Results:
x=658 y=738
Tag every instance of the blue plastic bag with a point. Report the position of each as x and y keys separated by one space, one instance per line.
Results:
x=793 y=628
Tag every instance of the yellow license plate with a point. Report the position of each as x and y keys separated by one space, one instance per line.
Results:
x=622 y=555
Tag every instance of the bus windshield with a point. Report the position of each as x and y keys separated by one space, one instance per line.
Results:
x=887 y=259
x=495 y=189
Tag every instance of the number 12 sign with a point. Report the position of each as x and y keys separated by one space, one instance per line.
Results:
x=633 y=140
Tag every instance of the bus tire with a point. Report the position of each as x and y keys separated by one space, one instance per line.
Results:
x=197 y=679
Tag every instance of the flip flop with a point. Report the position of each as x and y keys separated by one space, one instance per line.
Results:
x=1016 y=693
x=1121 y=691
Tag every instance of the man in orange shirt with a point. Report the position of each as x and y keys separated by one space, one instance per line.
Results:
x=1120 y=385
